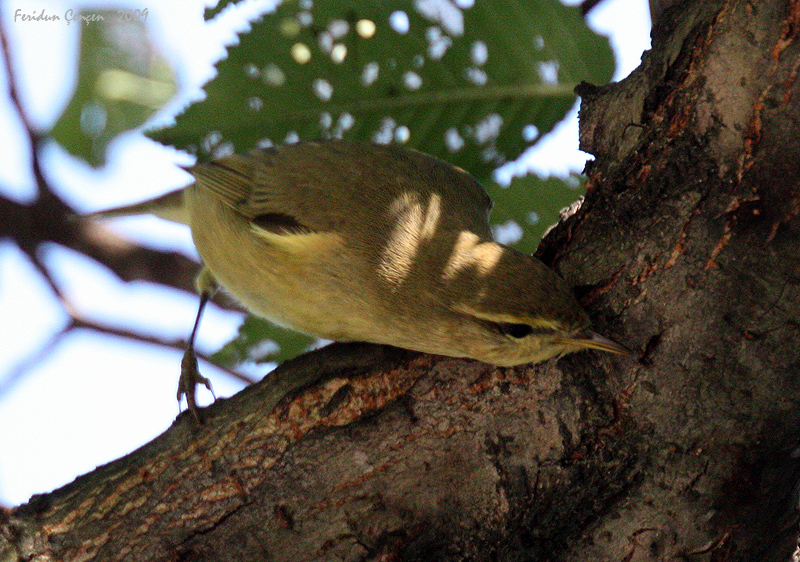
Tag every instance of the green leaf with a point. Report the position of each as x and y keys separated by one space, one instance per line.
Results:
x=260 y=341
x=530 y=205
x=122 y=80
x=213 y=11
x=475 y=86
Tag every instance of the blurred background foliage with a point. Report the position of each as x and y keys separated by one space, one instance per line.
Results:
x=122 y=81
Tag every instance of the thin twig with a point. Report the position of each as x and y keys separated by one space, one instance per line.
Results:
x=45 y=192
x=75 y=322
x=37 y=262
x=178 y=344
x=24 y=366
x=27 y=364
x=34 y=136
x=12 y=77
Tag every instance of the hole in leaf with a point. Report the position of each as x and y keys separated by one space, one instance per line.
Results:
x=93 y=119
x=305 y=19
x=476 y=75
x=251 y=71
x=443 y=12
x=338 y=28
x=338 y=53
x=301 y=53
x=399 y=22
x=402 y=134
x=412 y=80
x=344 y=123
x=452 y=140
x=530 y=132
x=323 y=89
x=507 y=233
x=272 y=75
x=438 y=42
x=325 y=120
x=370 y=73
x=290 y=27
x=479 y=53
x=366 y=28
x=548 y=71
x=325 y=41
x=488 y=129
x=212 y=139
x=385 y=131
x=224 y=149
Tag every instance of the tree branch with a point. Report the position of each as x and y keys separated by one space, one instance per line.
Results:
x=33 y=136
x=48 y=220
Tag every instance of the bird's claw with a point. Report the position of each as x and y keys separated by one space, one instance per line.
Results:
x=187 y=384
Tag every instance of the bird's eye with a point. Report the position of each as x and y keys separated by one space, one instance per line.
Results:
x=516 y=331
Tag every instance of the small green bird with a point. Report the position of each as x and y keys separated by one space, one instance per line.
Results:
x=364 y=242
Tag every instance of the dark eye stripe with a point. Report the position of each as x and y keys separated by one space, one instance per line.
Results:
x=517 y=331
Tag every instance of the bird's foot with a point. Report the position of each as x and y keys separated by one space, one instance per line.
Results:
x=187 y=384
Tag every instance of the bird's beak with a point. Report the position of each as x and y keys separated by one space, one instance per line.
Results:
x=593 y=340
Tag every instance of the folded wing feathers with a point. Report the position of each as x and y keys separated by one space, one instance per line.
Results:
x=229 y=178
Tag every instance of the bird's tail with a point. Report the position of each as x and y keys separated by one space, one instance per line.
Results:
x=169 y=207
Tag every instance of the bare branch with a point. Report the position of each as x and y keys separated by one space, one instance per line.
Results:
x=46 y=220
x=25 y=366
x=13 y=376
x=34 y=136
x=179 y=344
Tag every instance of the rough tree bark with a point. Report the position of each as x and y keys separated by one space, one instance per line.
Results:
x=685 y=249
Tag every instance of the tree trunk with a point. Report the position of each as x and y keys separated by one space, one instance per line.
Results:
x=685 y=250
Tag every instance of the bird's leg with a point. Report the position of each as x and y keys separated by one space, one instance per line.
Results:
x=190 y=373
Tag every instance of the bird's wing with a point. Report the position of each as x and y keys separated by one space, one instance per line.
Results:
x=230 y=178
x=339 y=186
x=233 y=179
